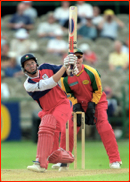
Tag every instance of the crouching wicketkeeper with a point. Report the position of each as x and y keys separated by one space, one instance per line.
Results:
x=86 y=87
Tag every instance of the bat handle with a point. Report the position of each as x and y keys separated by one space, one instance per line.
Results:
x=71 y=67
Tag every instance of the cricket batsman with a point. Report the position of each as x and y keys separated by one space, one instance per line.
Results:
x=41 y=84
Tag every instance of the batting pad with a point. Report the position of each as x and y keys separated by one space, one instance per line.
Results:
x=61 y=156
x=45 y=139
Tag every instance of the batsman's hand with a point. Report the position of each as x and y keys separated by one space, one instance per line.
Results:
x=71 y=59
x=74 y=71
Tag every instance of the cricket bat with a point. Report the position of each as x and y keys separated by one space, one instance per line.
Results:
x=72 y=31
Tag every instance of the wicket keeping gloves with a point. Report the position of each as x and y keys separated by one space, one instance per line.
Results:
x=78 y=107
x=89 y=115
x=71 y=59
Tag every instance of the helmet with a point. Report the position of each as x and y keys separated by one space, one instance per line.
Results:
x=78 y=51
x=25 y=58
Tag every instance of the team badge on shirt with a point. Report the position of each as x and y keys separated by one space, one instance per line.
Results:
x=85 y=82
x=45 y=76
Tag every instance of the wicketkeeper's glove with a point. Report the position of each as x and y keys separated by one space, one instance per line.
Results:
x=89 y=115
x=78 y=107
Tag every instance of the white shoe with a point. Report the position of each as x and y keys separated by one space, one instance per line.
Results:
x=115 y=165
x=36 y=167
x=64 y=167
x=56 y=166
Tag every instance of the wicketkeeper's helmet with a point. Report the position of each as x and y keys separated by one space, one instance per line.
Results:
x=78 y=51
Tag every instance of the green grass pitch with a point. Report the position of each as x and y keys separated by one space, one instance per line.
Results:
x=18 y=155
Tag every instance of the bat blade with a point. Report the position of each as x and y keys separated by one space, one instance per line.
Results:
x=72 y=31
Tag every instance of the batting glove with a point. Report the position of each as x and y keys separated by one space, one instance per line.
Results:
x=74 y=71
x=71 y=59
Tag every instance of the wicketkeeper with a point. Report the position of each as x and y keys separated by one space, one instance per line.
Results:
x=86 y=88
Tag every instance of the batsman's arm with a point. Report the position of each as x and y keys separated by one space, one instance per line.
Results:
x=58 y=75
x=46 y=84
x=31 y=86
